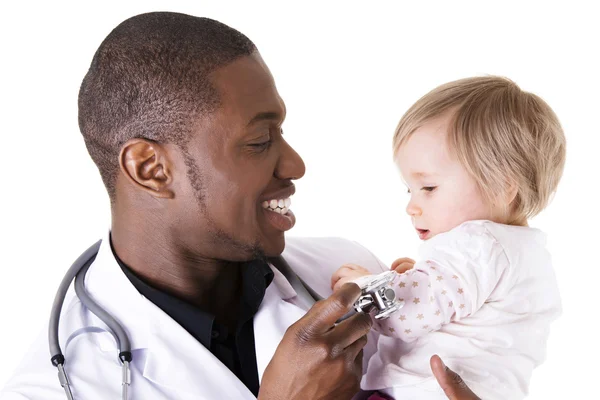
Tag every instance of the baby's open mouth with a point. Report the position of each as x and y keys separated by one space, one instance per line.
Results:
x=422 y=233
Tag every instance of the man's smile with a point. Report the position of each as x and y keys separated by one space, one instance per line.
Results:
x=276 y=207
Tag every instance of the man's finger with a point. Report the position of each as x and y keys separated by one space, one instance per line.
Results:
x=323 y=315
x=355 y=349
x=452 y=384
x=351 y=330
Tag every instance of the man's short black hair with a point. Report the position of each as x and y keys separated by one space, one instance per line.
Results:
x=149 y=79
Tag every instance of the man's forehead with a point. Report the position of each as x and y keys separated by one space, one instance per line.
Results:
x=246 y=88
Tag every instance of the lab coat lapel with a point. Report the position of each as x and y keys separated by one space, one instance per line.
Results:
x=171 y=365
x=178 y=362
x=173 y=358
x=279 y=309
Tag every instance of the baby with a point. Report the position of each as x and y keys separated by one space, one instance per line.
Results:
x=479 y=157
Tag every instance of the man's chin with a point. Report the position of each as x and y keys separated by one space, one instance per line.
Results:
x=263 y=248
x=274 y=247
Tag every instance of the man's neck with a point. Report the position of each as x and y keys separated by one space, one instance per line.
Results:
x=213 y=286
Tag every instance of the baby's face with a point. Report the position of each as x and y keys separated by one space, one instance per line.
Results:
x=442 y=194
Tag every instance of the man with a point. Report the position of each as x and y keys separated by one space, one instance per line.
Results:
x=182 y=118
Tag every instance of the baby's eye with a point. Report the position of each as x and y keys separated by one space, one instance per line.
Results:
x=408 y=191
x=429 y=188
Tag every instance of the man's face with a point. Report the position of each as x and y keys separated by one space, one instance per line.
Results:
x=240 y=169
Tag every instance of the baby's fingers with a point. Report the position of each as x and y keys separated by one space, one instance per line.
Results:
x=338 y=284
x=402 y=265
x=342 y=272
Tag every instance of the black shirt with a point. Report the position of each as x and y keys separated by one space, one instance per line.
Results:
x=234 y=349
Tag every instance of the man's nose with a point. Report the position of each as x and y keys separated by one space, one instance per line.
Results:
x=290 y=164
x=413 y=209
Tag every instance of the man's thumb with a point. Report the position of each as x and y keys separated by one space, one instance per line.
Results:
x=452 y=384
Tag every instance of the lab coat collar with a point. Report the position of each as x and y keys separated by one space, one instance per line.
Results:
x=286 y=290
x=110 y=288
x=170 y=351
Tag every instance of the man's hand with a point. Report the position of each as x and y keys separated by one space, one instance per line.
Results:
x=316 y=358
x=347 y=273
x=452 y=384
x=402 y=265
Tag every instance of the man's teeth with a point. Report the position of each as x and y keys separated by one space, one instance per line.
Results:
x=280 y=206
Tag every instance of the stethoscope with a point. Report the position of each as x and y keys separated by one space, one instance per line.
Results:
x=376 y=295
x=77 y=272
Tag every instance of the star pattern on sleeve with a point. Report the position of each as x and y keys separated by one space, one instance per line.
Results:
x=432 y=295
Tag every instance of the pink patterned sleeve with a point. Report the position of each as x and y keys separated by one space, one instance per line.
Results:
x=456 y=278
x=432 y=297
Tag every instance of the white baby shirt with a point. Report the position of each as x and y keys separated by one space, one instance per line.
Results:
x=482 y=296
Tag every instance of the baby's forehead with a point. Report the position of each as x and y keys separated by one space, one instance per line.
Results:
x=419 y=175
x=423 y=155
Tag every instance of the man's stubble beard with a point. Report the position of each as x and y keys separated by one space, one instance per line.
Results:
x=220 y=236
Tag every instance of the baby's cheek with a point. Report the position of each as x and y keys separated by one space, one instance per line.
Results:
x=449 y=220
x=462 y=210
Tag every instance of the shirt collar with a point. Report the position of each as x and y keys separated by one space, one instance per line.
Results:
x=256 y=277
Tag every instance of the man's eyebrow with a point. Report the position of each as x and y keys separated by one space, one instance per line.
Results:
x=269 y=115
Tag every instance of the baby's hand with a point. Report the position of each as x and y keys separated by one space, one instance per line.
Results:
x=347 y=273
x=402 y=265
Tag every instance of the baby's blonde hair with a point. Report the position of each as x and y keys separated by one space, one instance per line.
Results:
x=502 y=135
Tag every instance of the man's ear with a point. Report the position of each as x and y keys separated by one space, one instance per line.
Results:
x=146 y=165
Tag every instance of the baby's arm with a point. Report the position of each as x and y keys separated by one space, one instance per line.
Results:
x=460 y=272
x=432 y=295
x=415 y=289
x=350 y=272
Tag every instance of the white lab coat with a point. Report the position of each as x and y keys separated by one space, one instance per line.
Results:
x=168 y=363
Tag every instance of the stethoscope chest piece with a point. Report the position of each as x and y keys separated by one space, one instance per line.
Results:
x=377 y=296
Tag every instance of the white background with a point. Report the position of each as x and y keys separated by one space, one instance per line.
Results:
x=347 y=73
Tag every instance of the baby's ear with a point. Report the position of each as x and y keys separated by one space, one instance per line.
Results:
x=503 y=201
x=511 y=192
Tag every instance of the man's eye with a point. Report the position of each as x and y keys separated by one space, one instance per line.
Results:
x=262 y=145
x=428 y=188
